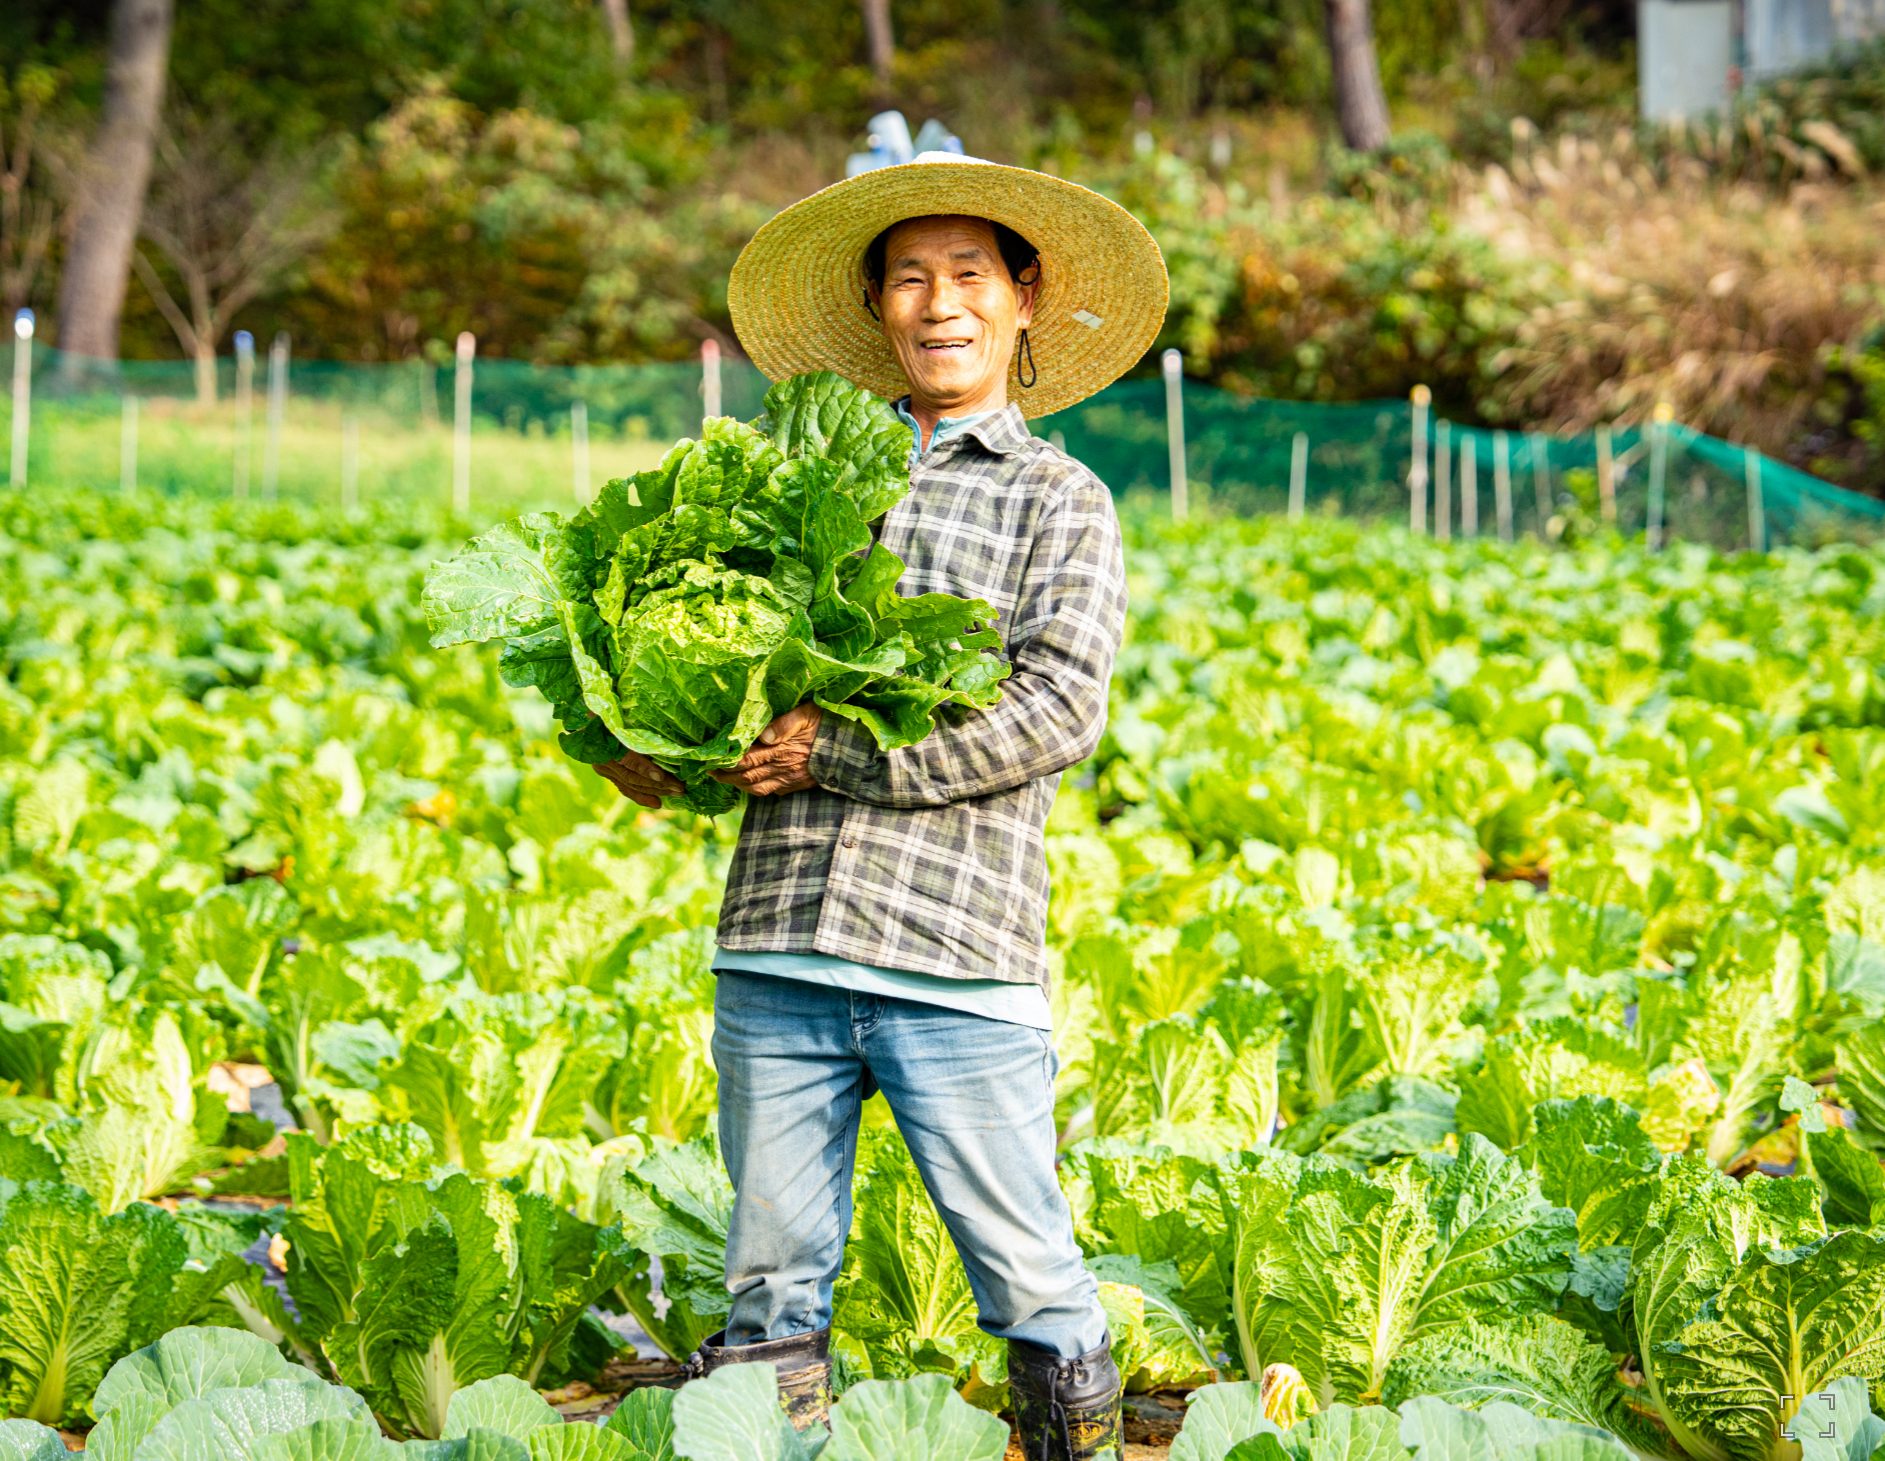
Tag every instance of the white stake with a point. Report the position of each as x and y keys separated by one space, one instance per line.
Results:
x=579 y=450
x=461 y=426
x=1541 y=479
x=709 y=378
x=277 y=400
x=245 y=409
x=1502 y=484
x=1417 y=469
x=349 y=463
x=1757 y=506
x=22 y=394
x=1469 y=489
x=127 y=444
x=1658 y=473
x=1443 y=481
x=1172 y=362
x=1298 y=475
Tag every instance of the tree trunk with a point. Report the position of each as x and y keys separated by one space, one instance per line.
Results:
x=883 y=45
x=621 y=32
x=205 y=373
x=718 y=103
x=111 y=188
x=1361 y=107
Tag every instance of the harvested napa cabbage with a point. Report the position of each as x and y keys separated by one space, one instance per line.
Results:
x=687 y=606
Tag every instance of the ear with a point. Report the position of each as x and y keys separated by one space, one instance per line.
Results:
x=1024 y=304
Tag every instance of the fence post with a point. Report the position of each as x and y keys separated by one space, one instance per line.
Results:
x=1541 y=481
x=1757 y=505
x=22 y=394
x=579 y=450
x=1298 y=474
x=1658 y=474
x=1502 y=484
x=1469 y=488
x=1606 y=475
x=1172 y=362
x=709 y=379
x=349 y=462
x=461 y=425
x=277 y=400
x=1443 y=481
x=127 y=444
x=245 y=410
x=1417 y=470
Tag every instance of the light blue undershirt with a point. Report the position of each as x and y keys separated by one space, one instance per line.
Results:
x=946 y=427
x=995 y=999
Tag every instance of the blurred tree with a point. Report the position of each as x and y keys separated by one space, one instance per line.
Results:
x=29 y=206
x=228 y=219
x=1361 y=107
x=883 y=47
x=621 y=31
x=111 y=185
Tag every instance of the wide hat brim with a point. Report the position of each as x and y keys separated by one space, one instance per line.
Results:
x=796 y=290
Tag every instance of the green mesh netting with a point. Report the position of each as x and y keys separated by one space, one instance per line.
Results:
x=386 y=430
x=1358 y=460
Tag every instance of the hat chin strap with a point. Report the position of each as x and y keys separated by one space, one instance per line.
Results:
x=1026 y=348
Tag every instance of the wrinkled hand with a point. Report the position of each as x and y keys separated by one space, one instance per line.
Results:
x=780 y=760
x=639 y=779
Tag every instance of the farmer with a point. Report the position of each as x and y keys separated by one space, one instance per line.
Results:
x=885 y=916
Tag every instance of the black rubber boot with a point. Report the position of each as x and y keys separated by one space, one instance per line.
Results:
x=1066 y=1410
x=802 y=1360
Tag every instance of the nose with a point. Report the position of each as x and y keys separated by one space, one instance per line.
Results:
x=943 y=302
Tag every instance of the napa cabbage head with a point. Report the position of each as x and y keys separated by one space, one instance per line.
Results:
x=692 y=603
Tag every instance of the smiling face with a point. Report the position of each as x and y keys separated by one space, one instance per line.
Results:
x=951 y=312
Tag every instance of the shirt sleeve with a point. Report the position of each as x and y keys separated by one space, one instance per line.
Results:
x=1066 y=631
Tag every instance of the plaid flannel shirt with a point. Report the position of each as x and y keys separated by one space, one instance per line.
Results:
x=931 y=858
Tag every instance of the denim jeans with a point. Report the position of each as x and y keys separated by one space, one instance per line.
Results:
x=974 y=1099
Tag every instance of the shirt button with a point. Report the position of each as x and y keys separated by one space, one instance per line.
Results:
x=849 y=840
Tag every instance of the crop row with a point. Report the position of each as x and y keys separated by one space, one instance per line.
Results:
x=1470 y=965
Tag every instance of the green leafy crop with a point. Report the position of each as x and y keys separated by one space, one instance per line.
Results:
x=687 y=606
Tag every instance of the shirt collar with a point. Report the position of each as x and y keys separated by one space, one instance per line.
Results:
x=1003 y=430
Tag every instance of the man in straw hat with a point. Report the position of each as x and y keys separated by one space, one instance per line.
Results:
x=884 y=925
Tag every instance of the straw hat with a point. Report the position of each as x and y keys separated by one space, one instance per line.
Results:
x=796 y=290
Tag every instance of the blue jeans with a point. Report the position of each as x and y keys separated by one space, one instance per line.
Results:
x=974 y=1099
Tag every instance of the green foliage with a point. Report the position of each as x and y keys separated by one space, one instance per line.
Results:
x=1306 y=1013
x=685 y=608
x=80 y=1287
x=413 y=1286
x=1336 y=1271
x=675 y=1206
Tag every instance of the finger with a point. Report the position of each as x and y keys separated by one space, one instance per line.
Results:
x=784 y=725
x=648 y=773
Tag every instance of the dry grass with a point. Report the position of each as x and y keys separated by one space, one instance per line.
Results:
x=1720 y=298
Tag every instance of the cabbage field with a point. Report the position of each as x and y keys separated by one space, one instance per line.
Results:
x=1470 y=984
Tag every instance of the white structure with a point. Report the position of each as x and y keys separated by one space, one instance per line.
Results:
x=1691 y=55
